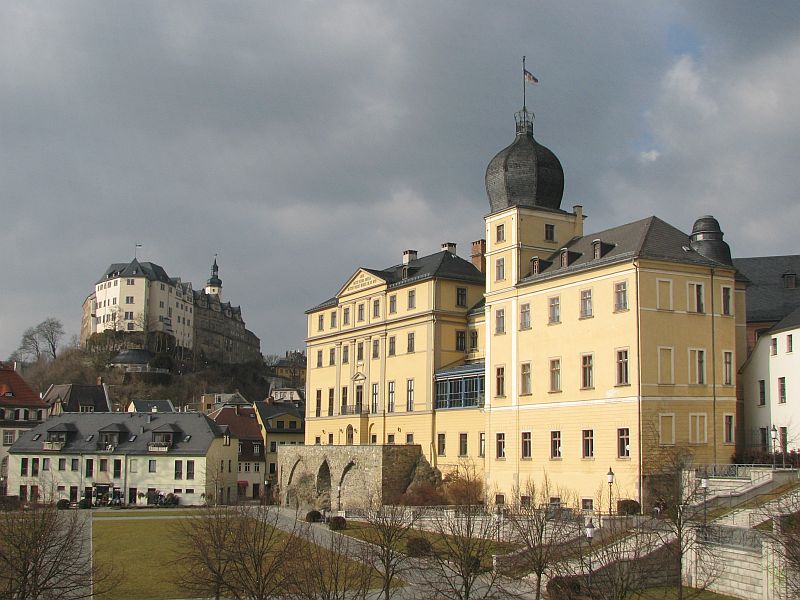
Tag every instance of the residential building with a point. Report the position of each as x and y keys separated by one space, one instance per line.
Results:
x=125 y=457
x=251 y=468
x=20 y=409
x=77 y=398
x=280 y=425
x=151 y=406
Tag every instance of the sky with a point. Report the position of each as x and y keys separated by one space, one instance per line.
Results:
x=301 y=140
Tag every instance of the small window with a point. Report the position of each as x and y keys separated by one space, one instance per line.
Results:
x=389 y=438
x=554 y=309
x=696 y=298
x=501 y=446
x=789 y=343
x=461 y=341
x=500 y=378
x=525 y=316
x=623 y=442
x=360 y=312
x=727 y=303
x=410 y=344
x=376 y=348
x=549 y=232
x=392 y=346
x=621 y=296
x=500 y=321
x=463 y=444
x=393 y=304
x=527 y=445
x=586 y=304
x=376 y=308
x=588 y=443
x=697 y=428
x=461 y=296
x=790 y=281
x=346 y=316
x=781 y=390
x=555 y=375
x=500 y=233
x=440 y=444
x=482 y=444
x=622 y=367
x=412 y=299
x=525 y=379
x=409 y=438
x=587 y=504
x=587 y=371
x=773 y=346
x=555 y=444
x=500 y=269
x=729 y=429
x=37 y=436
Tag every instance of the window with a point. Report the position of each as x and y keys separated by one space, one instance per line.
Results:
x=697 y=428
x=727 y=371
x=587 y=371
x=588 y=443
x=376 y=308
x=623 y=442
x=696 y=303
x=75 y=465
x=392 y=346
x=527 y=445
x=500 y=232
x=665 y=370
x=789 y=343
x=151 y=466
x=360 y=351
x=345 y=354
x=331 y=393
x=128 y=315
x=440 y=444
x=525 y=378
x=729 y=429
x=587 y=504
x=500 y=381
x=346 y=316
x=463 y=446
x=501 y=446
x=273 y=446
x=390 y=401
x=664 y=299
x=621 y=296
x=499 y=269
x=482 y=444
x=410 y=345
x=360 y=312
x=320 y=322
x=45 y=464
x=189 y=469
x=132 y=282
x=773 y=346
x=586 y=304
x=525 y=316
x=555 y=444
x=8 y=437
x=393 y=304
x=409 y=438
x=473 y=341
x=697 y=367
x=318 y=404
x=461 y=296
x=374 y=407
x=666 y=429
x=555 y=374
x=178 y=469
x=412 y=299
x=727 y=304
x=62 y=464
x=762 y=392
x=409 y=395
x=622 y=367
x=332 y=356
x=500 y=321
x=319 y=358
x=376 y=348
x=549 y=232
x=344 y=399
x=128 y=299
x=23 y=467
x=103 y=465
x=781 y=390
x=333 y=319
x=389 y=438
x=461 y=341
x=554 y=309
x=790 y=281
x=89 y=467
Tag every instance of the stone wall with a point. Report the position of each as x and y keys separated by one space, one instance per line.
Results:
x=344 y=477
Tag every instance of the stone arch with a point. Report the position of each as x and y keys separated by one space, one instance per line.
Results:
x=292 y=471
x=349 y=435
x=342 y=489
x=323 y=486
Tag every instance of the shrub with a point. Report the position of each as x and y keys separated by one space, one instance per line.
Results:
x=313 y=516
x=171 y=500
x=628 y=506
x=337 y=523
x=85 y=503
x=62 y=504
x=418 y=546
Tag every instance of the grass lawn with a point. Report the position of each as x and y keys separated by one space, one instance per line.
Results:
x=671 y=594
x=145 y=512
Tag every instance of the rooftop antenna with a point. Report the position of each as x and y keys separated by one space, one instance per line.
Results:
x=135 y=250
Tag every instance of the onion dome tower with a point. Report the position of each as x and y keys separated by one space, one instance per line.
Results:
x=706 y=239
x=214 y=284
x=525 y=173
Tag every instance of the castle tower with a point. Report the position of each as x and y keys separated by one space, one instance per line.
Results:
x=214 y=284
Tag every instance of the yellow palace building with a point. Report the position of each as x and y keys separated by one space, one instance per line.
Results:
x=549 y=352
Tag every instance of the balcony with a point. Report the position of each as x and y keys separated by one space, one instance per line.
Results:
x=53 y=446
x=354 y=409
x=158 y=446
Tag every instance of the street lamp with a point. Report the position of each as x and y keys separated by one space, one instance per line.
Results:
x=589 y=529
x=704 y=485
x=610 y=476
x=497 y=518
x=774 y=432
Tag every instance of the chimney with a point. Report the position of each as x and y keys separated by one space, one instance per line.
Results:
x=449 y=247
x=479 y=255
x=408 y=256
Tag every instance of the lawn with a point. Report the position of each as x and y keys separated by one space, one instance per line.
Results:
x=145 y=512
x=671 y=594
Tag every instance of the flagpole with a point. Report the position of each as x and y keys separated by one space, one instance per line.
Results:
x=524 y=106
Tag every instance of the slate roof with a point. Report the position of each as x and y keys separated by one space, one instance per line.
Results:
x=152 y=271
x=767 y=298
x=197 y=432
x=270 y=411
x=162 y=406
x=15 y=393
x=647 y=238
x=74 y=395
x=441 y=265
x=790 y=321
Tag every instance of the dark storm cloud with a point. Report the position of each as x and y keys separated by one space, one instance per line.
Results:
x=302 y=139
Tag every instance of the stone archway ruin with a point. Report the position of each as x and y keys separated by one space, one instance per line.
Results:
x=324 y=486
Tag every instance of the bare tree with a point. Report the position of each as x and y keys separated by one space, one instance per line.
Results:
x=783 y=534
x=545 y=530
x=30 y=347
x=50 y=331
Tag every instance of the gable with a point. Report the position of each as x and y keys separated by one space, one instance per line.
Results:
x=360 y=281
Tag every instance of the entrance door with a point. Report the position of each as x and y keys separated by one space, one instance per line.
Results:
x=256 y=490
x=131 y=495
x=73 y=493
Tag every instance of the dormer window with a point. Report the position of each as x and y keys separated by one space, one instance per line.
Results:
x=789 y=281
x=564 y=257
x=597 y=249
x=535 y=265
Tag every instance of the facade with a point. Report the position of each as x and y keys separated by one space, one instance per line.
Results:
x=20 y=409
x=770 y=381
x=141 y=297
x=554 y=353
x=241 y=421
x=127 y=457
x=280 y=425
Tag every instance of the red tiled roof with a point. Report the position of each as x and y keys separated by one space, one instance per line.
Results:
x=15 y=392
x=243 y=425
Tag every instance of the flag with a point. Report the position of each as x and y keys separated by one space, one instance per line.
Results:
x=529 y=77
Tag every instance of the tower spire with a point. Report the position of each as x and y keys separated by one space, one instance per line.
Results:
x=524 y=118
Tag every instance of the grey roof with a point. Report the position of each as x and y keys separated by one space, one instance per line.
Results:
x=151 y=271
x=162 y=406
x=477 y=368
x=647 y=238
x=197 y=432
x=270 y=411
x=74 y=395
x=440 y=265
x=790 y=321
x=767 y=298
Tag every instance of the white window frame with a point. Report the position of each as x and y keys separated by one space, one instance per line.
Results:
x=586 y=303
x=691 y=297
x=694 y=422
x=658 y=295
x=661 y=441
x=725 y=416
x=694 y=366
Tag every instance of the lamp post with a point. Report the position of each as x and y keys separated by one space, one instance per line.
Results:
x=589 y=530
x=774 y=433
x=610 y=476
x=704 y=485
x=497 y=518
x=338 y=497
